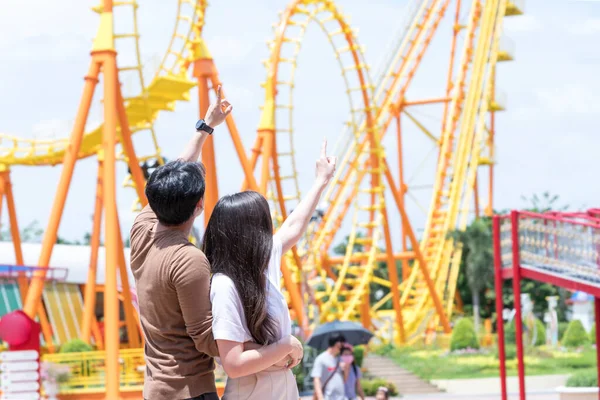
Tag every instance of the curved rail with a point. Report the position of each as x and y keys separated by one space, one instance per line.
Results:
x=168 y=86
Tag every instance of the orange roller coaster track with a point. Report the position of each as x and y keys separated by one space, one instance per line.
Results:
x=363 y=283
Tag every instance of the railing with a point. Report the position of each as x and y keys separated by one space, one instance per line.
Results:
x=566 y=244
x=16 y=271
x=88 y=370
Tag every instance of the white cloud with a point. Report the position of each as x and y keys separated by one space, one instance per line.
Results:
x=523 y=23
x=590 y=26
x=229 y=49
x=569 y=99
x=52 y=129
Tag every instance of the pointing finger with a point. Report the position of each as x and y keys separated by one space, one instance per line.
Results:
x=324 y=149
x=219 y=94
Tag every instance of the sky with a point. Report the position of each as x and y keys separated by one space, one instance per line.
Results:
x=547 y=138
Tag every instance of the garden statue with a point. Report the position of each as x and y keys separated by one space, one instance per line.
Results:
x=529 y=325
x=552 y=321
x=508 y=314
x=582 y=306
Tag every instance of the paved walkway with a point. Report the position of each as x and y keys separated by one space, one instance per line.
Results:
x=444 y=396
x=491 y=386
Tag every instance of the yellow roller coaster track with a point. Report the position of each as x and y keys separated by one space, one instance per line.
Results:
x=168 y=86
x=340 y=289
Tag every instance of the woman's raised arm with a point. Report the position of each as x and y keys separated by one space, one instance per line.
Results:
x=296 y=223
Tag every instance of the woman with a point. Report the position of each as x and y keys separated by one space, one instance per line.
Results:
x=352 y=374
x=247 y=303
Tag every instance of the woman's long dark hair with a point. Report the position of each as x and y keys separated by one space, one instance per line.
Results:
x=238 y=243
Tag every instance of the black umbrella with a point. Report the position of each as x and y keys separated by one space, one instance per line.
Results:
x=354 y=333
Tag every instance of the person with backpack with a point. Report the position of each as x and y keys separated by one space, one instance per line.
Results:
x=327 y=372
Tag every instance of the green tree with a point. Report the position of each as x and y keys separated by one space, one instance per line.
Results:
x=32 y=233
x=544 y=203
x=538 y=291
x=476 y=240
x=340 y=248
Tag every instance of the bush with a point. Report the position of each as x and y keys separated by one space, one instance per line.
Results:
x=383 y=350
x=510 y=333
x=540 y=339
x=562 y=328
x=75 y=346
x=370 y=386
x=299 y=374
x=510 y=352
x=593 y=334
x=575 y=336
x=359 y=355
x=463 y=336
x=586 y=378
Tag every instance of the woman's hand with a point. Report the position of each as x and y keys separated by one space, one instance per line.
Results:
x=218 y=111
x=297 y=352
x=325 y=166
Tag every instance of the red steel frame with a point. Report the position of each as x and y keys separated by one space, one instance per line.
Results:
x=516 y=272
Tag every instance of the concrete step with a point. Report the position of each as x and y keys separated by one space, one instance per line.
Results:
x=405 y=381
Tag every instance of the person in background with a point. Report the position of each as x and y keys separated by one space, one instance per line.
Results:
x=382 y=393
x=327 y=373
x=352 y=374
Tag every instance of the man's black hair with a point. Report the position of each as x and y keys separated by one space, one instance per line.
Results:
x=336 y=338
x=174 y=190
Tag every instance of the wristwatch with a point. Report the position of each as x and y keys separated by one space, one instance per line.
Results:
x=201 y=126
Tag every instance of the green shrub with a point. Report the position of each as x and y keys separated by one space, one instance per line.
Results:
x=75 y=346
x=510 y=333
x=370 y=386
x=575 y=336
x=299 y=374
x=540 y=339
x=359 y=355
x=463 y=336
x=562 y=328
x=593 y=334
x=585 y=378
x=510 y=352
x=383 y=349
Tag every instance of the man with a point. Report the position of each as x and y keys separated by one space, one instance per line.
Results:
x=327 y=374
x=172 y=276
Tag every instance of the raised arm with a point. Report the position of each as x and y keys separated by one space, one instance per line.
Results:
x=296 y=223
x=215 y=115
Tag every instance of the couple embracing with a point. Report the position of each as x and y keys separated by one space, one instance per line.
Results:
x=225 y=300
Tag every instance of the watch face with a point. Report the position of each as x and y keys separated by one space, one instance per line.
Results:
x=200 y=124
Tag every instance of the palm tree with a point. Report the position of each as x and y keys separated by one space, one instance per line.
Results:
x=477 y=243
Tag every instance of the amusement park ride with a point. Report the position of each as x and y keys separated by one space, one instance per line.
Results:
x=319 y=287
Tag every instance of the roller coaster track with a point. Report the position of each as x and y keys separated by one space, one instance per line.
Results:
x=168 y=86
x=337 y=289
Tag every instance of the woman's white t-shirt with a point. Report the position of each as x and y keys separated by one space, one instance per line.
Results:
x=229 y=320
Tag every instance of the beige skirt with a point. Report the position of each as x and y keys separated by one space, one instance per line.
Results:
x=272 y=384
